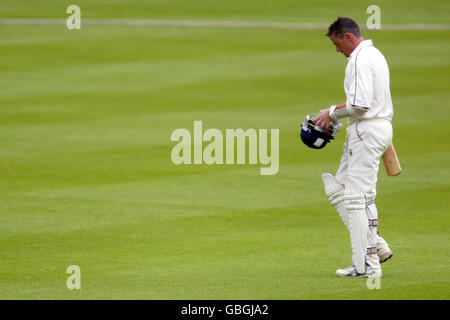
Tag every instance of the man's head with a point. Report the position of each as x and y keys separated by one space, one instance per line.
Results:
x=345 y=35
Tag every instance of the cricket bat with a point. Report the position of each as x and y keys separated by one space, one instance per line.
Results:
x=391 y=162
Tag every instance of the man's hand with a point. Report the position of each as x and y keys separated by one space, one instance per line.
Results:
x=323 y=120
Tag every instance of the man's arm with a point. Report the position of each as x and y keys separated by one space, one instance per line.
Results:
x=338 y=112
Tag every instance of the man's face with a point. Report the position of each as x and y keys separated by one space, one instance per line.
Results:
x=344 y=44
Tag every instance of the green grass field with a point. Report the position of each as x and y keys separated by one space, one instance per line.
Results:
x=87 y=179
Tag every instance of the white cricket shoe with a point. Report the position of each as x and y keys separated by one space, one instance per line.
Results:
x=347 y=272
x=352 y=273
x=384 y=254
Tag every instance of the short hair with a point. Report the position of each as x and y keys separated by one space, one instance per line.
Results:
x=342 y=26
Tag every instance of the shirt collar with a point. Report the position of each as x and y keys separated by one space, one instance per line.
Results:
x=364 y=43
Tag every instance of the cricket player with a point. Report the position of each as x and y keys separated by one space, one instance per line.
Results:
x=369 y=111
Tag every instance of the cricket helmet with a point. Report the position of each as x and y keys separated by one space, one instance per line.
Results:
x=314 y=137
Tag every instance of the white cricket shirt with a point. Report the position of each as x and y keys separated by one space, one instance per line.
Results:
x=366 y=82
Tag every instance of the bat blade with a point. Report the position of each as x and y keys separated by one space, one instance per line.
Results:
x=391 y=162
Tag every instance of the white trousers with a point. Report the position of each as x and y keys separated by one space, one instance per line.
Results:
x=366 y=142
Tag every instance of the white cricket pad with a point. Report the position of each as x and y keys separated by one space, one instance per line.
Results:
x=355 y=204
x=335 y=194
